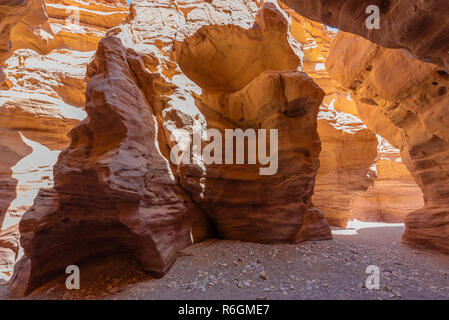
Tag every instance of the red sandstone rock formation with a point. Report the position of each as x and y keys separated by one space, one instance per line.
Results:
x=9 y=250
x=349 y=148
x=178 y=67
x=243 y=204
x=235 y=96
x=394 y=193
x=421 y=27
x=115 y=188
x=13 y=149
x=409 y=93
x=43 y=97
x=349 y=151
x=412 y=95
x=10 y=15
x=215 y=85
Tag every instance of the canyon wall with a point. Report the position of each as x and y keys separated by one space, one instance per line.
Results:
x=420 y=27
x=356 y=174
x=349 y=152
x=393 y=195
x=164 y=69
x=10 y=15
x=349 y=148
x=404 y=97
x=42 y=96
x=393 y=85
x=168 y=70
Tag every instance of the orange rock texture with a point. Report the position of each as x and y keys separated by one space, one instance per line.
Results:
x=394 y=193
x=411 y=96
x=361 y=129
x=349 y=149
x=10 y=14
x=9 y=251
x=42 y=96
x=349 y=152
x=420 y=27
x=252 y=98
x=177 y=67
x=350 y=158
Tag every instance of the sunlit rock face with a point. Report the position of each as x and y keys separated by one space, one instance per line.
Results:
x=420 y=27
x=349 y=149
x=196 y=65
x=71 y=24
x=43 y=95
x=412 y=95
x=243 y=204
x=395 y=192
x=393 y=195
x=12 y=149
x=10 y=14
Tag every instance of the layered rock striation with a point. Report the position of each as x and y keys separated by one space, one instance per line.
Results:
x=42 y=96
x=346 y=173
x=393 y=195
x=10 y=15
x=420 y=27
x=113 y=189
x=411 y=96
x=116 y=187
x=349 y=148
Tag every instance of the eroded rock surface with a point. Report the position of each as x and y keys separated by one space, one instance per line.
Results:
x=152 y=76
x=9 y=251
x=349 y=152
x=43 y=95
x=393 y=195
x=10 y=15
x=349 y=148
x=412 y=95
x=420 y=27
x=196 y=65
x=113 y=189
x=243 y=204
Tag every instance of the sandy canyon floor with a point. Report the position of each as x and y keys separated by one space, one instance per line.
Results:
x=218 y=269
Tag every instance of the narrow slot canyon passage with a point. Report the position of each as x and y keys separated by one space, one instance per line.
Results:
x=115 y=122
